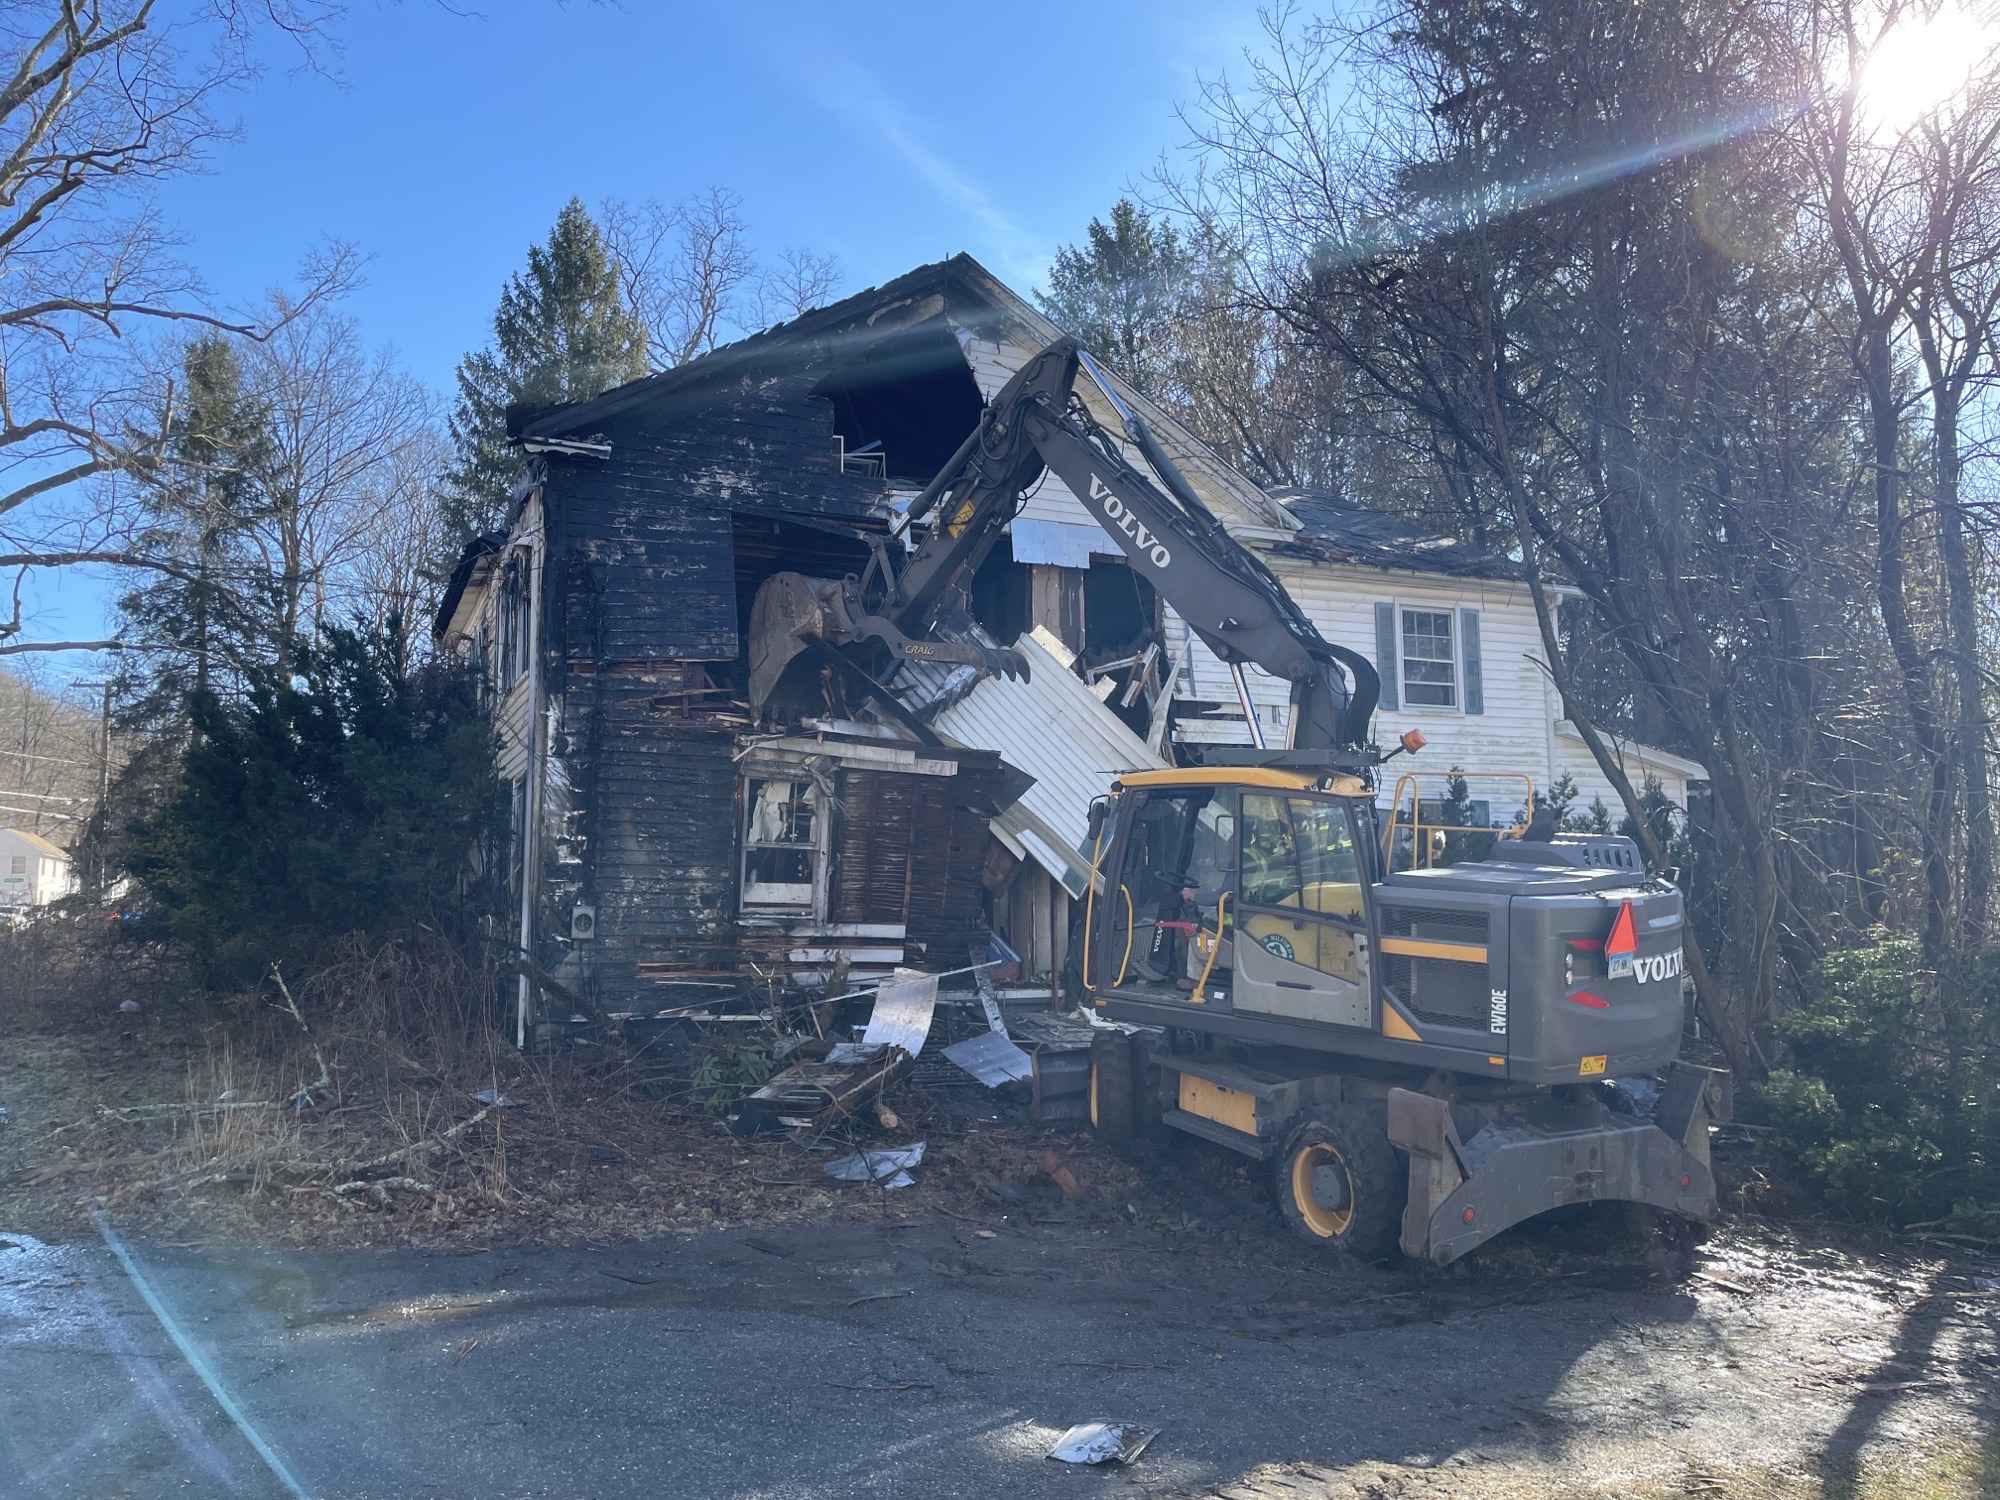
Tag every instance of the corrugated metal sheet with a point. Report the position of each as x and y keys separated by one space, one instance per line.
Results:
x=1053 y=727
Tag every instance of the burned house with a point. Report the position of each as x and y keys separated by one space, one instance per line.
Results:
x=669 y=847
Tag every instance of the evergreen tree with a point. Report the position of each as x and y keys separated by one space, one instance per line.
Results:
x=562 y=333
x=1122 y=292
x=204 y=621
x=340 y=796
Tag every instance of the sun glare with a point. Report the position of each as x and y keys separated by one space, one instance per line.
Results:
x=1919 y=66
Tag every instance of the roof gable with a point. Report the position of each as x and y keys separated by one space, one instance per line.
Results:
x=36 y=842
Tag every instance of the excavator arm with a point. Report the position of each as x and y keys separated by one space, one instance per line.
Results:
x=1227 y=596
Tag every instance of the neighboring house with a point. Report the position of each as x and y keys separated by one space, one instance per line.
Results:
x=33 y=872
x=1453 y=634
x=668 y=850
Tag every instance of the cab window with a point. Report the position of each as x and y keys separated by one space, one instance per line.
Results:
x=1299 y=852
x=1327 y=859
x=1270 y=853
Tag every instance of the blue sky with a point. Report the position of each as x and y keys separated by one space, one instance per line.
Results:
x=886 y=134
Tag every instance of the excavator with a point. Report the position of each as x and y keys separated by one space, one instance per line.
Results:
x=1425 y=1053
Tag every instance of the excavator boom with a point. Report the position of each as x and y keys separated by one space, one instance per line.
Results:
x=1227 y=596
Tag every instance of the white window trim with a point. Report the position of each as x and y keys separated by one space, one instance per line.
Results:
x=820 y=849
x=1456 y=708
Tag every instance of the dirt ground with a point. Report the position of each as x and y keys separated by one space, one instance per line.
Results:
x=1779 y=1360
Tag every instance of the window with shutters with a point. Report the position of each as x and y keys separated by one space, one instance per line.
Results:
x=1430 y=664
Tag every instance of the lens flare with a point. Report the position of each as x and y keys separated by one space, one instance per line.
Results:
x=1918 y=67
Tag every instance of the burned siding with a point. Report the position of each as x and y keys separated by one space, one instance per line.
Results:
x=660 y=509
x=915 y=844
x=642 y=613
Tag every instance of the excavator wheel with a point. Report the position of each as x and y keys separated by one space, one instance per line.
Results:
x=1340 y=1185
x=1112 y=1107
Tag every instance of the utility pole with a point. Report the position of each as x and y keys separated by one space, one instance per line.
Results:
x=103 y=773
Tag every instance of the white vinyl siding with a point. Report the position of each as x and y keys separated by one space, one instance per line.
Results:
x=1513 y=733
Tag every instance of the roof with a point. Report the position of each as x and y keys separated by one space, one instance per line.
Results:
x=476 y=551
x=1634 y=756
x=1335 y=529
x=36 y=841
x=718 y=364
x=913 y=297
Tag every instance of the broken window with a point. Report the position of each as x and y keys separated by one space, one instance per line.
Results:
x=901 y=410
x=513 y=622
x=783 y=845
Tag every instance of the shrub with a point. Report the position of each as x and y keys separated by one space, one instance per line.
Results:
x=347 y=797
x=1891 y=1107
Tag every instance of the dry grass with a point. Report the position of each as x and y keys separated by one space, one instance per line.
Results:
x=343 y=1107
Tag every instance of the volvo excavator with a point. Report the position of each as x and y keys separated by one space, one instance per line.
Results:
x=1425 y=1055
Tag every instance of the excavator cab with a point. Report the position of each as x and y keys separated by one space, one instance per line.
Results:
x=1237 y=889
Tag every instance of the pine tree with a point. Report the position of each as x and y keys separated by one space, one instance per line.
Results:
x=338 y=795
x=562 y=333
x=203 y=622
x=1122 y=292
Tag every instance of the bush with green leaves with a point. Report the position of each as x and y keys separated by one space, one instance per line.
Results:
x=346 y=797
x=1891 y=1105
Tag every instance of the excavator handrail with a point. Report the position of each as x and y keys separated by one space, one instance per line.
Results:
x=1221 y=927
x=1417 y=827
x=1131 y=931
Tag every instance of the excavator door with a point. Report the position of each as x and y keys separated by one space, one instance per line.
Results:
x=1301 y=945
x=1160 y=921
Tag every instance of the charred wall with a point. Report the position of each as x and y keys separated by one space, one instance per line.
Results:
x=650 y=551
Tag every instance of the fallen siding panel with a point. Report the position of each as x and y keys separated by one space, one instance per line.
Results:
x=1054 y=728
x=912 y=844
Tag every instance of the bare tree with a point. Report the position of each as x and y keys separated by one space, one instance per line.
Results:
x=50 y=757
x=1911 y=210
x=684 y=267
x=99 y=100
x=688 y=274
x=347 y=433
x=388 y=582
x=800 y=281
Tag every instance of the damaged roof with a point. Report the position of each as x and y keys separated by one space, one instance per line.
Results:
x=473 y=564
x=960 y=288
x=527 y=423
x=1335 y=529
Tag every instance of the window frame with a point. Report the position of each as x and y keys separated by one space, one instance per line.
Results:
x=817 y=849
x=1404 y=657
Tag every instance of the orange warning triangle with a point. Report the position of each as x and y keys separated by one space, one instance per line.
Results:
x=1624 y=934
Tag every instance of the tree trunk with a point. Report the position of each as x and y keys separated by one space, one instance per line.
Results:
x=1912 y=666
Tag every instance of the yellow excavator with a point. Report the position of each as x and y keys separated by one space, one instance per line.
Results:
x=1426 y=1056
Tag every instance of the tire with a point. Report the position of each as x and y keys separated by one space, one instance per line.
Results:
x=1149 y=1105
x=1111 y=1081
x=1340 y=1186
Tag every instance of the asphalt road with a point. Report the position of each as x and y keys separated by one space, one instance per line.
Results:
x=933 y=1360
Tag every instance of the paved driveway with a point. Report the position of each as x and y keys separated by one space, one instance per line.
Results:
x=935 y=1359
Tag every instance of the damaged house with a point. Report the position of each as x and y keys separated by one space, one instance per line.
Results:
x=669 y=849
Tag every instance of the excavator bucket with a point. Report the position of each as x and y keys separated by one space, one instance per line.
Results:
x=791 y=613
